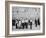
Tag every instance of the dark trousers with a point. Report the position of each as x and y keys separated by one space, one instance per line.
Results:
x=30 y=25
x=24 y=25
x=16 y=26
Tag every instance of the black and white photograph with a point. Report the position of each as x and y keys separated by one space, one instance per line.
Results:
x=25 y=18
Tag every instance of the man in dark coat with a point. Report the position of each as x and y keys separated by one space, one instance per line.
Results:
x=13 y=22
x=35 y=22
x=38 y=21
x=30 y=23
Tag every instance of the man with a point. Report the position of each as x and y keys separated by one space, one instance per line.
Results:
x=24 y=24
x=16 y=24
x=35 y=22
x=13 y=22
x=38 y=21
x=30 y=23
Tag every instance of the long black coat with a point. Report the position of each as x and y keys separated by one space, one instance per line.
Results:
x=36 y=22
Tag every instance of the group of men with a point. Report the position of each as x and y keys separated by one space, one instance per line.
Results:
x=22 y=24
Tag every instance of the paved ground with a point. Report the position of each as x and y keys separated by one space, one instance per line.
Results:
x=33 y=28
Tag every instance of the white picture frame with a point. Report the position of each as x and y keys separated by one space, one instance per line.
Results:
x=10 y=32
